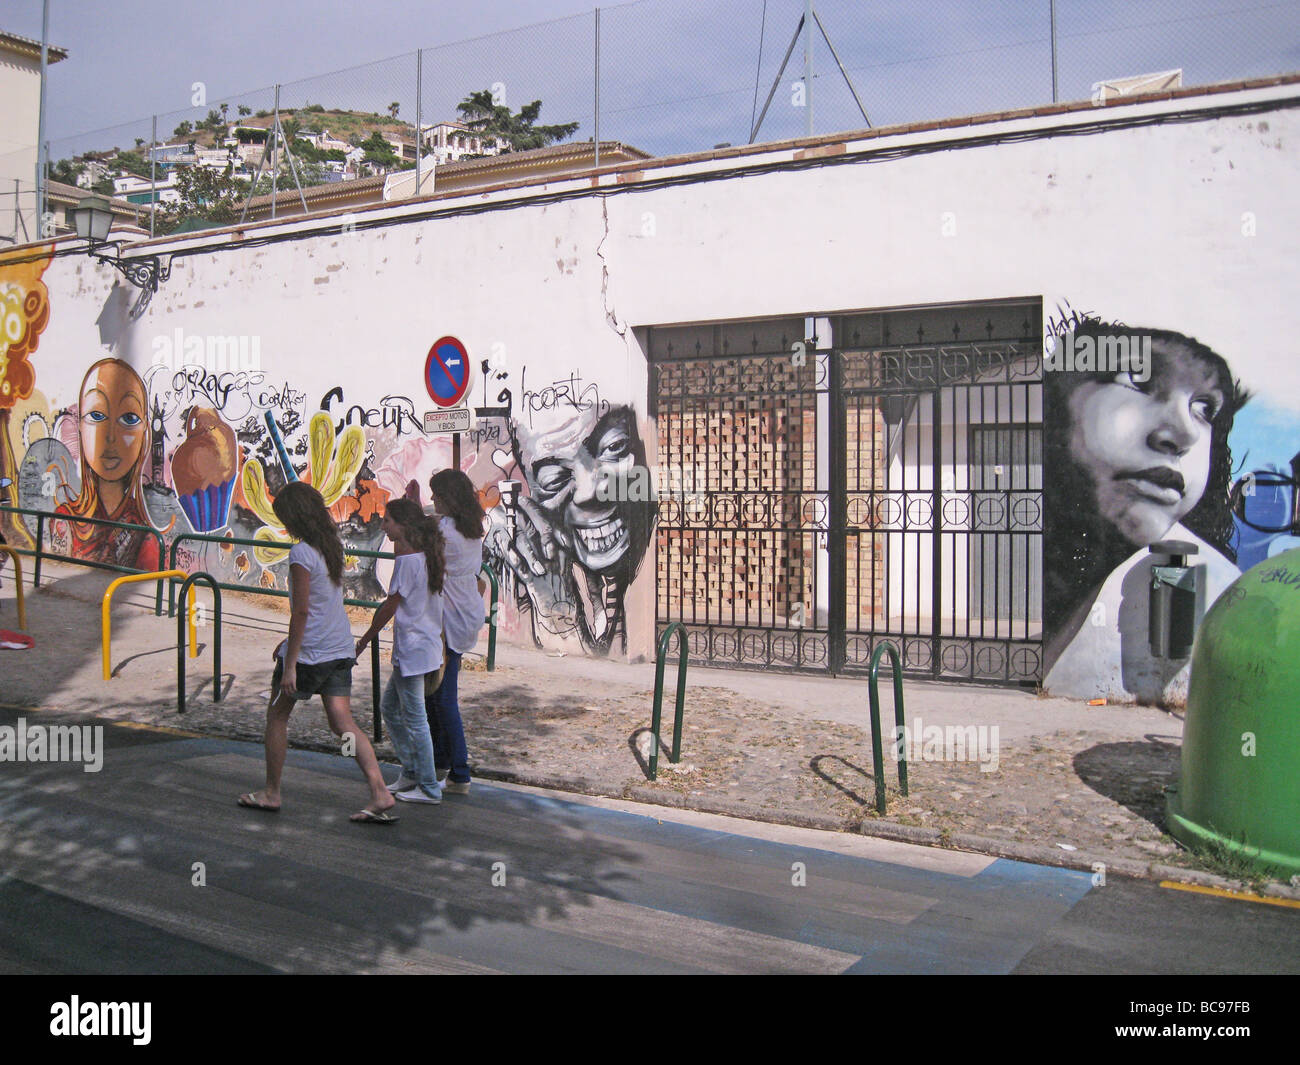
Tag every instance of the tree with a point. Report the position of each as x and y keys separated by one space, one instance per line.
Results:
x=393 y=108
x=518 y=132
x=244 y=111
x=66 y=170
x=212 y=195
x=379 y=152
x=183 y=130
x=132 y=163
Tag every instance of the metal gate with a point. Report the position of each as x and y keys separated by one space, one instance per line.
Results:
x=817 y=495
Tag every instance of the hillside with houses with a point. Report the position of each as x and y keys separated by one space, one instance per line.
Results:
x=206 y=170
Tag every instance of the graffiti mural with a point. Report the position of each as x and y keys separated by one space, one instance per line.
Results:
x=199 y=453
x=1266 y=494
x=112 y=418
x=24 y=313
x=570 y=548
x=1136 y=451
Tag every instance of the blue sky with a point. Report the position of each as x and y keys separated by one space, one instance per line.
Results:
x=676 y=74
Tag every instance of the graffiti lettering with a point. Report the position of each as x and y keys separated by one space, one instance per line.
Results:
x=504 y=398
x=566 y=392
x=285 y=398
x=483 y=434
x=393 y=412
x=1281 y=574
x=230 y=393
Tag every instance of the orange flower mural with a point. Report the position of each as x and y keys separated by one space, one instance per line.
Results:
x=24 y=313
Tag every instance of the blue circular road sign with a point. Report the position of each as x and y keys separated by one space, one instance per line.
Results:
x=446 y=372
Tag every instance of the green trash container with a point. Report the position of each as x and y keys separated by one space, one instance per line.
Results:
x=1240 y=786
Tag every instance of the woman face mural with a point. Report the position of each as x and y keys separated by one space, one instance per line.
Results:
x=1146 y=445
x=114 y=430
x=1135 y=453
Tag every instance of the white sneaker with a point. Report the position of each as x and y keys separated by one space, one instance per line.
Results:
x=416 y=795
x=402 y=783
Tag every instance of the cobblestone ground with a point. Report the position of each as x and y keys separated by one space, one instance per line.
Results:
x=1080 y=796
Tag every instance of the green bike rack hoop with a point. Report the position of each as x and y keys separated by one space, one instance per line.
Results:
x=216 y=639
x=877 y=751
x=660 y=656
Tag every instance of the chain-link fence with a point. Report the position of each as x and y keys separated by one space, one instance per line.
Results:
x=673 y=76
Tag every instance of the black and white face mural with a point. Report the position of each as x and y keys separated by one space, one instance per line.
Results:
x=581 y=532
x=1136 y=451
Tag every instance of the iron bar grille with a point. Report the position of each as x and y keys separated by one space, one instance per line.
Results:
x=813 y=502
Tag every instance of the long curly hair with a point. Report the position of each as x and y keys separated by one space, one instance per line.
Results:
x=302 y=511
x=455 y=493
x=423 y=534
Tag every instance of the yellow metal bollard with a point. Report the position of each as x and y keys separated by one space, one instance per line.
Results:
x=106 y=621
x=18 y=581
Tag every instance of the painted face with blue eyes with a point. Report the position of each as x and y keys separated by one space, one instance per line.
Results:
x=1146 y=445
x=114 y=424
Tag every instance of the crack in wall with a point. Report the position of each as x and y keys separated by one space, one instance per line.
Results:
x=611 y=317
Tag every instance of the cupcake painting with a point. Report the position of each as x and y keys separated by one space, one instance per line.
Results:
x=204 y=468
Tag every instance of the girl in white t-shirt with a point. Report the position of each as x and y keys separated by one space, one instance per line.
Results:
x=415 y=600
x=461 y=517
x=317 y=657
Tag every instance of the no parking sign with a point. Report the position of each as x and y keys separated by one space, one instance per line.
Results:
x=446 y=372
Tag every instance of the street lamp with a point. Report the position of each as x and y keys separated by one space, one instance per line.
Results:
x=92 y=218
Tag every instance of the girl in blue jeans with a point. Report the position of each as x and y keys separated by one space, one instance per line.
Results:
x=415 y=601
x=461 y=519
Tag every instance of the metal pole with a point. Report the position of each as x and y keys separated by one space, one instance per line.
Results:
x=776 y=82
x=153 y=173
x=596 y=126
x=419 y=119
x=808 y=62
x=42 y=149
x=1052 y=6
x=847 y=80
x=275 y=146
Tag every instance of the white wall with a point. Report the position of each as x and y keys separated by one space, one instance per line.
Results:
x=1141 y=224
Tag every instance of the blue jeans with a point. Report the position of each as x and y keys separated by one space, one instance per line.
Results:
x=443 y=710
x=403 y=710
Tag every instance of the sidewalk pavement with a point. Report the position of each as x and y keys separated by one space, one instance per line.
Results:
x=1063 y=783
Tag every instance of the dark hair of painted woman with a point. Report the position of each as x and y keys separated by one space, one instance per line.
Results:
x=457 y=499
x=422 y=534
x=303 y=512
x=1127 y=459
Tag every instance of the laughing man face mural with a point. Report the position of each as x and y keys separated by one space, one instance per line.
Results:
x=579 y=537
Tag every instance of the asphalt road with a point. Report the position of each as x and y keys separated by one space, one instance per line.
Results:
x=148 y=866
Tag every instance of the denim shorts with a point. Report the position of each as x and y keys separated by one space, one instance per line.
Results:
x=319 y=678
